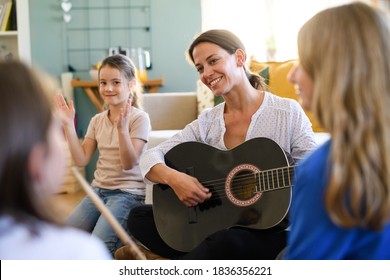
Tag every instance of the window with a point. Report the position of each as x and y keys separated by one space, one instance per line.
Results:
x=268 y=28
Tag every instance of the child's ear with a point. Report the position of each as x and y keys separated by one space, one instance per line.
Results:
x=36 y=162
x=132 y=83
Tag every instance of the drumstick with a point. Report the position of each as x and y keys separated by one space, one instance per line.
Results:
x=123 y=235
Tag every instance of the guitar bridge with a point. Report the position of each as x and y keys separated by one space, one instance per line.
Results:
x=192 y=216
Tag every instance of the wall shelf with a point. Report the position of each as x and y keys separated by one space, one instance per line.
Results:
x=17 y=44
x=97 y=26
x=8 y=33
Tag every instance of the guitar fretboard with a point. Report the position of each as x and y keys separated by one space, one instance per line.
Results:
x=274 y=179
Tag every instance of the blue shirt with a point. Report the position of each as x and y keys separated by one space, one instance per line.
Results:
x=313 y=235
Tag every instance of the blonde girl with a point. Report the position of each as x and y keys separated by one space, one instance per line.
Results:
x=341 y=205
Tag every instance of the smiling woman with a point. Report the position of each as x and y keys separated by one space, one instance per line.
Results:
x=248 y=112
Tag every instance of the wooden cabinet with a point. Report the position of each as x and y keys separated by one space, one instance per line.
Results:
x=16 y=43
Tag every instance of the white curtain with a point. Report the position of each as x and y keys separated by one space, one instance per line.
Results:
x=268 y=28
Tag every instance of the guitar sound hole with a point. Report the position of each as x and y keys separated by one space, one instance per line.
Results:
x=243 y=185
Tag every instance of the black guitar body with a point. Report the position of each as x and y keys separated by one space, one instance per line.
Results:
x=230 y=175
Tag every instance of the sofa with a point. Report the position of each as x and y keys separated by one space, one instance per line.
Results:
x=170 y=112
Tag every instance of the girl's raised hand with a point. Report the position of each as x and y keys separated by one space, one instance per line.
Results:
x=67 y=113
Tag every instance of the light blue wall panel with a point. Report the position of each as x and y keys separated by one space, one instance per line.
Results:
x=173 y=24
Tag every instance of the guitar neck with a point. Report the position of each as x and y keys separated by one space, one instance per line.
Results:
x=274 y=179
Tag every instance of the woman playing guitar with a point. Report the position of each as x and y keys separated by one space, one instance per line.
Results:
x=248 y=111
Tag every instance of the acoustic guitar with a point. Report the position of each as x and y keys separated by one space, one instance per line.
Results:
x=250 y=187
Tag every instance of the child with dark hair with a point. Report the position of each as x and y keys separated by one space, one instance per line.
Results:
x=32 y=168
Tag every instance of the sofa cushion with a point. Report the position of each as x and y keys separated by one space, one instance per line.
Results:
x=158 y=136
x=265 y=74
x=205 y=96
x=170 y=110
x=278 y=82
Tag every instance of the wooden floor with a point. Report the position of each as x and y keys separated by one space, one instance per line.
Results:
x=65 y=203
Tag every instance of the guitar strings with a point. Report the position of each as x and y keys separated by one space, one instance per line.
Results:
x=243 y=184
x=218 y=185
x=289 y=169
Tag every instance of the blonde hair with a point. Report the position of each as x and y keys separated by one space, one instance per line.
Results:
x=346 y=51
x=126 y=66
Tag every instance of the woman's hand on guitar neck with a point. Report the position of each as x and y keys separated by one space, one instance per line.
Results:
x=187 y=188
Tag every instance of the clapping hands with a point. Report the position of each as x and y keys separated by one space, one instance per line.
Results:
x=123 y=120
